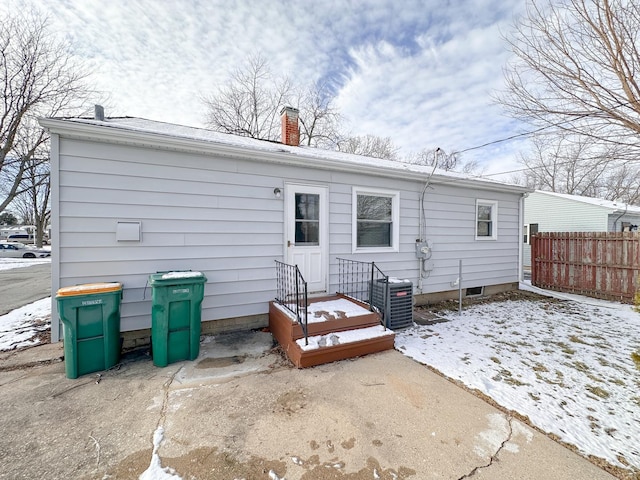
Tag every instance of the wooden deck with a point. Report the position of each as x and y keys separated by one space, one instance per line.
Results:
x=334 y=334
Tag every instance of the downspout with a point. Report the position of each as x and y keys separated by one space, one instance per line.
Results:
x=615 y=222
x=55 y=234
x=521 y=236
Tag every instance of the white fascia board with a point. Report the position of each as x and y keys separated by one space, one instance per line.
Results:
x=77 y=130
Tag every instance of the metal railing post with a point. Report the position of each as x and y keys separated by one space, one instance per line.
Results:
x=285 y=276
x=362 y=283
x=371 y=285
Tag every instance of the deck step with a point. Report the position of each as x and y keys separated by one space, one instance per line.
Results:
x=350 y=331
x=341 y=345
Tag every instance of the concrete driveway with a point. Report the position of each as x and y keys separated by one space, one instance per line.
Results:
x=241 y=412
x=21 y=286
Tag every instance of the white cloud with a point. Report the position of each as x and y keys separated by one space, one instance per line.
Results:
x=418 y=71
x=437 y=97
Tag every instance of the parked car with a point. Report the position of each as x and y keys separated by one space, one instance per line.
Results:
x=20 y=250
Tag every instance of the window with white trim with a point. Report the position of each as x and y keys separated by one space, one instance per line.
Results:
x=486 y=220
x=528 y=230
x=376 y=215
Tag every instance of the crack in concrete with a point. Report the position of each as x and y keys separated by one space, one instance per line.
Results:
x=165 y=402
x=158 y=435
x=494 y=457
x=29 y=365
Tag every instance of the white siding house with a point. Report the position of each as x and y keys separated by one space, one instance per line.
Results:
x=132 y=197
x=559 y=212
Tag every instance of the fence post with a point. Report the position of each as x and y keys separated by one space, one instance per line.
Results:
x=533 y=239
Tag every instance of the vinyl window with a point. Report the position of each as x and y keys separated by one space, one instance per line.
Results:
x=528 y=230
x=486 y=220
x=375 y=220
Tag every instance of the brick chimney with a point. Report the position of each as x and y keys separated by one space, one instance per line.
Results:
x=290 y=130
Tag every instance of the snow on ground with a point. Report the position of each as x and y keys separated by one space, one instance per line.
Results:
x=319 y=311
x=327 y=310
x=19 y=327
x=11 y=263
x=156 y=471
x=339 y=338
x=565 y=364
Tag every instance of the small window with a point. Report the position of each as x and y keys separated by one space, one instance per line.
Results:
x=529 y=230
x=486 y=220
x=376 y=219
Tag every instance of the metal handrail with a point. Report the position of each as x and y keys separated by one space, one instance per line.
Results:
x=357 y=280
x=291 y=293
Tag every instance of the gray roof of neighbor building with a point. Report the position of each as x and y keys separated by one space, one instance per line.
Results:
x=608 y=204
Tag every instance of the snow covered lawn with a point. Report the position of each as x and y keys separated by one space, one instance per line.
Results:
x=567 y=365
x=11 y=263
x=25 y=326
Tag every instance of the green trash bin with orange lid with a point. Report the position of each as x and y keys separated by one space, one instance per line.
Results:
x=90 y=315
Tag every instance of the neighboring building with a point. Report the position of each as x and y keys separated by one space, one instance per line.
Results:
x=6 y=231
x=131 y=197
x=559 y=212
x=19 y=233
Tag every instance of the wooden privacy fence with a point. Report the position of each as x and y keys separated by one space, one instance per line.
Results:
x=597 y=264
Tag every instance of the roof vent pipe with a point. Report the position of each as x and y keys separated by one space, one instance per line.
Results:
x=99 y=113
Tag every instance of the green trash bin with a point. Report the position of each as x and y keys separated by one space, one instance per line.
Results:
x=176 y=302
x=90 y=315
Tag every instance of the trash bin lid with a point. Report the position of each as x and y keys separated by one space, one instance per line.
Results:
x=89 y=288
x=176 y=277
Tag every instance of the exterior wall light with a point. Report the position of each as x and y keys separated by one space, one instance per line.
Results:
x=277 y=192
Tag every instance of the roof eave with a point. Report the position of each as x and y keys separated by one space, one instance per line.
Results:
x=170 y=142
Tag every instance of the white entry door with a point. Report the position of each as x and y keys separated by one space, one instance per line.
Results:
x=306 y=234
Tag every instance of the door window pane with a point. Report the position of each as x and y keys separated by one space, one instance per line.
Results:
x=307 y=219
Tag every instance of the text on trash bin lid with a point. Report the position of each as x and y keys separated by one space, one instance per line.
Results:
x=173 y=275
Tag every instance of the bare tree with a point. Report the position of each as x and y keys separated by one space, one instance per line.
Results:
x=319 y=119
x=33 y=203
x=37 y=78
x=444 y=161
x=624 y=184
x=370 y=146
x=577 y=68
x=435 y=157
x=564 y=164
x=579 y=165
x=250 y=102
x=575 y=73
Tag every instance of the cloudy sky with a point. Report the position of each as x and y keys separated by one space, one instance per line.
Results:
x=419 y=71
